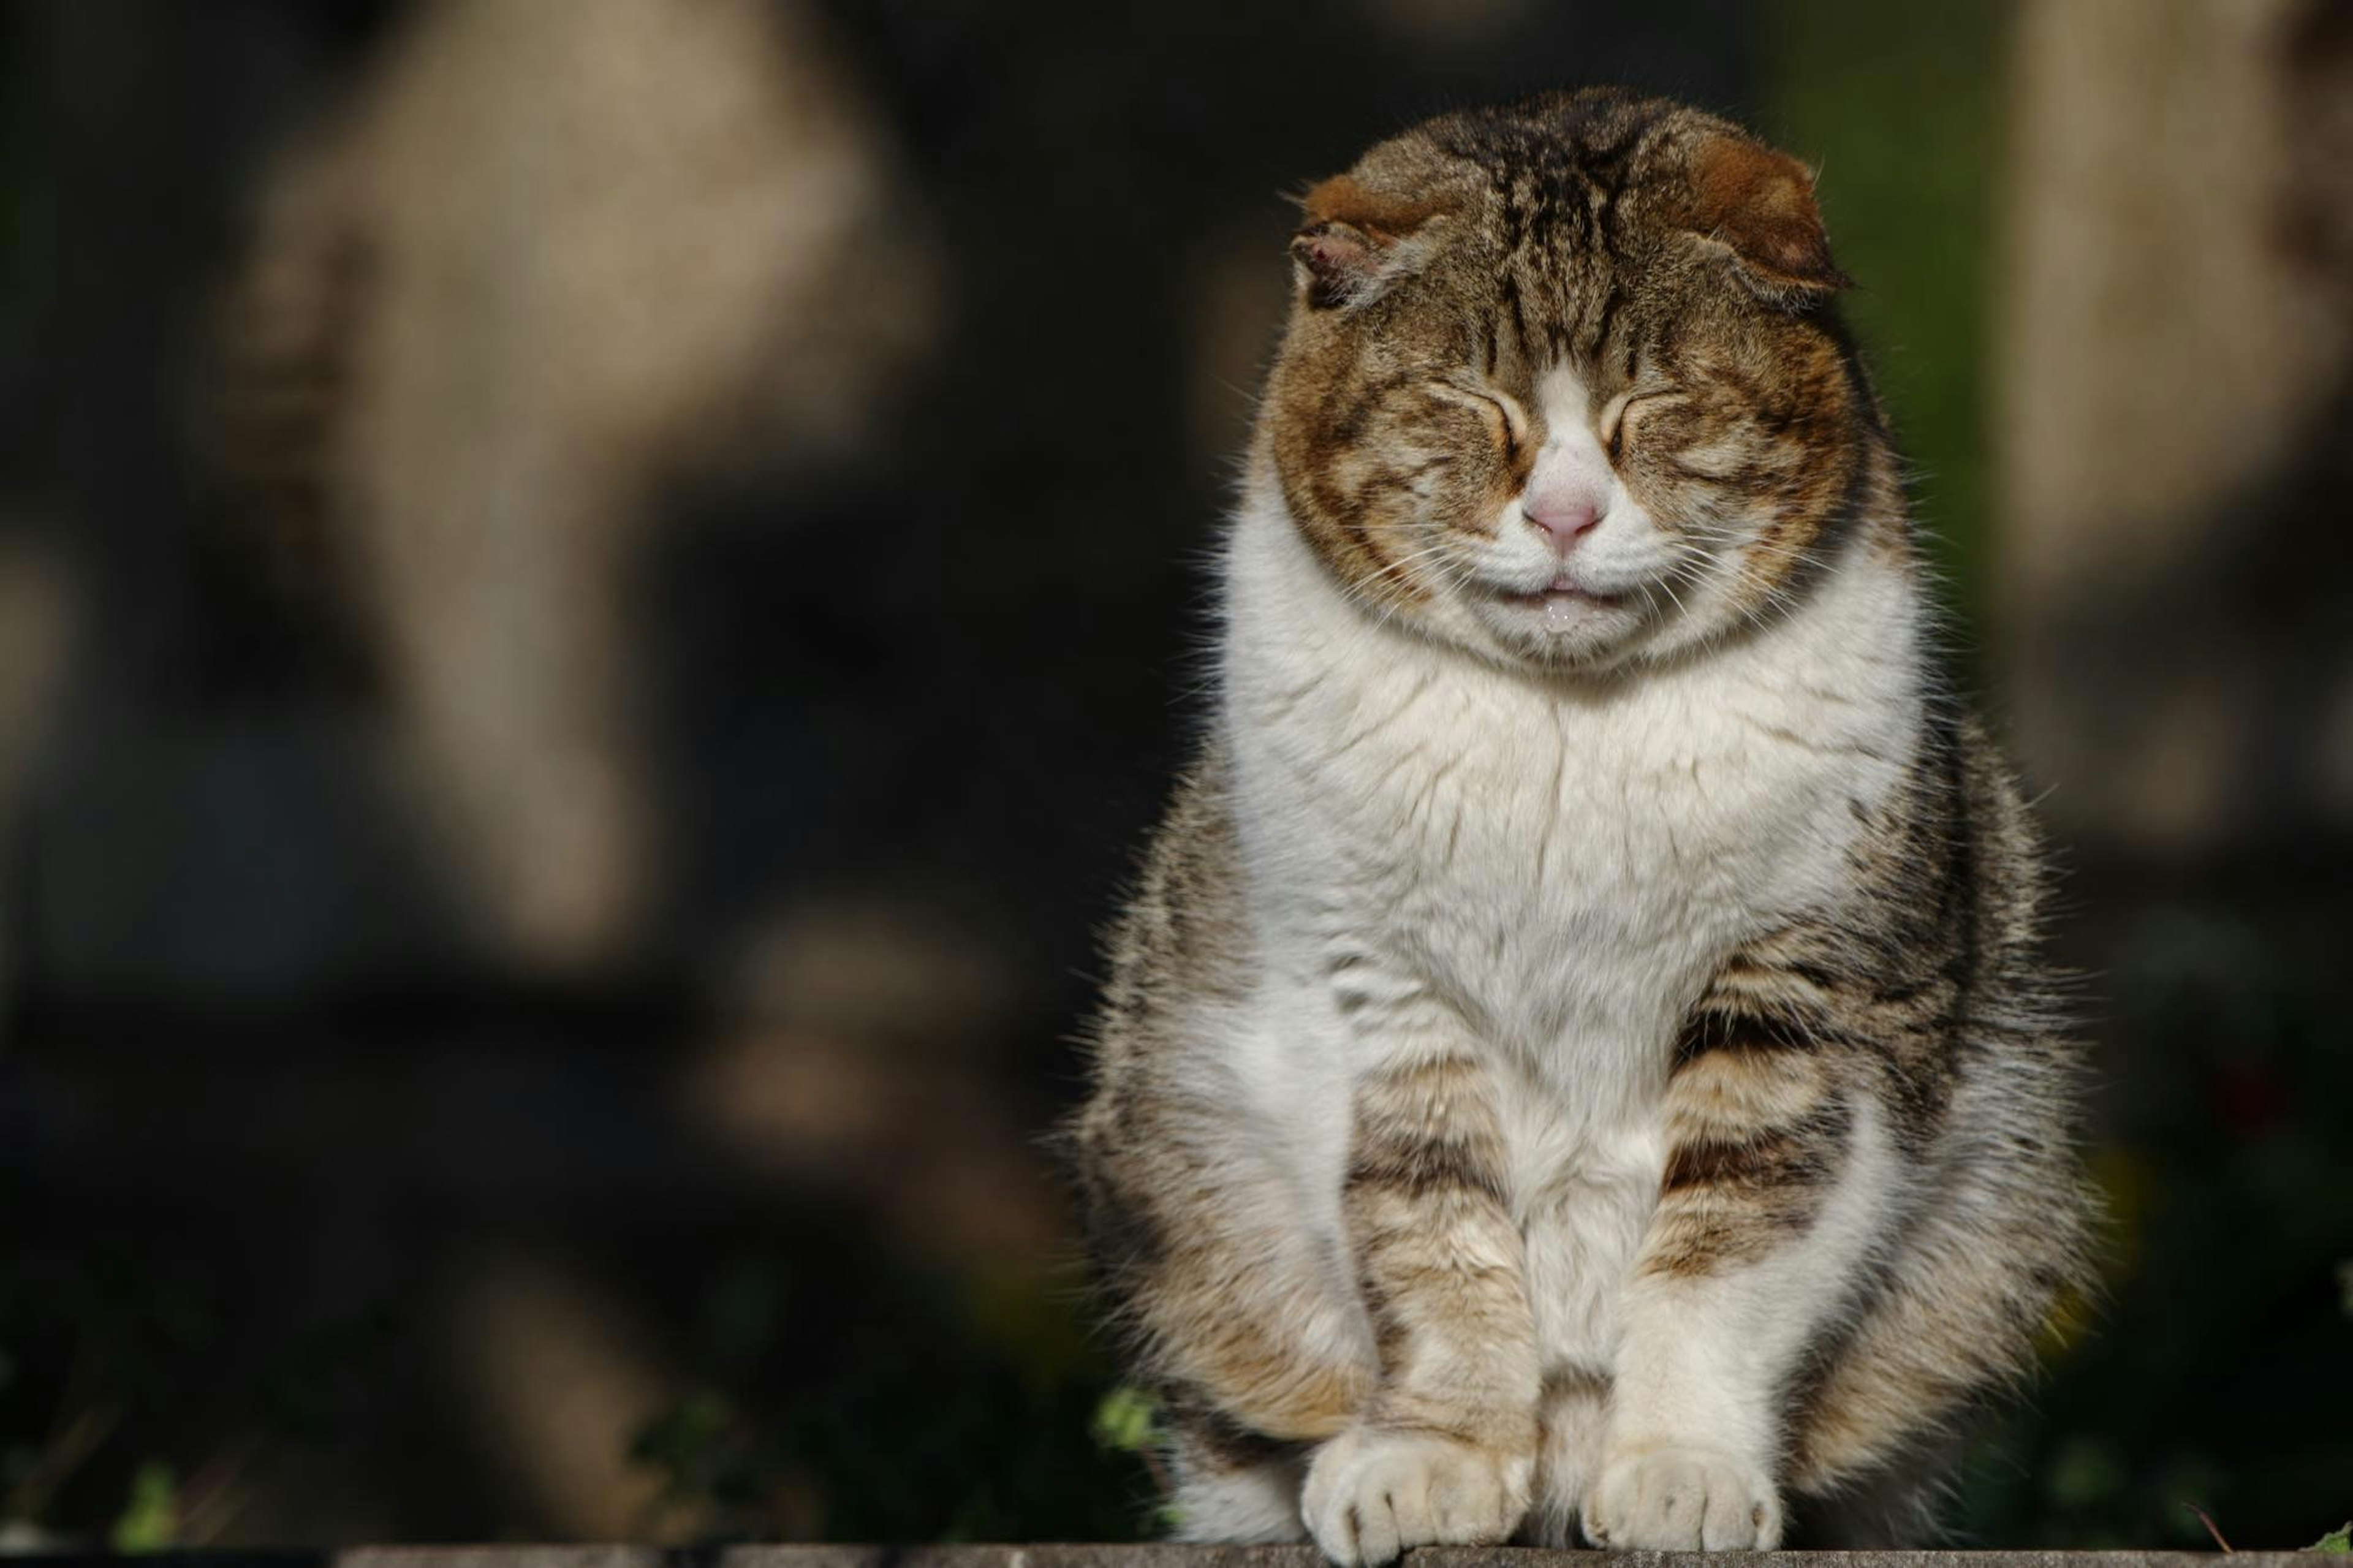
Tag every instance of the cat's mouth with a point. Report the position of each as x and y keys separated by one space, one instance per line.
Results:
x=1564 y=605
x=1561 y=595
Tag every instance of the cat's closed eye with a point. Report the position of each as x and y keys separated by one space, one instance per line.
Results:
x=1501 y=408
x=1614 y=415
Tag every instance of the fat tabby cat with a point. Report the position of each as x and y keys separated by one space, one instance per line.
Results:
x=1577 y=1062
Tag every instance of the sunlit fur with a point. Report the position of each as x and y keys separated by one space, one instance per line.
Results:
x=1576 y=1063
x=1551 y=294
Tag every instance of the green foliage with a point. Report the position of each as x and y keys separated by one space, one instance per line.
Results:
x=101 y=1354
x=1128 y=1420
x=939 y=1409
x=1897 y=106
x=2338 y=1540
x=150 y=1520
x=2085 y=1473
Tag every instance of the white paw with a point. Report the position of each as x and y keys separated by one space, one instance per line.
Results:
x=1683 y=1499
x=1372 y=1494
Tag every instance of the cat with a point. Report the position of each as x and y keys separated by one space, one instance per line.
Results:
x=1576 y=1060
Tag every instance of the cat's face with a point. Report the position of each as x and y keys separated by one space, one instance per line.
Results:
x=1559 y=385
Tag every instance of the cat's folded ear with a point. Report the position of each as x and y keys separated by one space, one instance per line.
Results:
x=1356 y=243
x=1758 y=204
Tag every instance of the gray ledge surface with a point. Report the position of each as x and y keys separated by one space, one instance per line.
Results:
x=1079 y=1556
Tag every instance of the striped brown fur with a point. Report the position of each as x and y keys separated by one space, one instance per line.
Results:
x=1437 y=1254
x=1526 y=210
x=1211 y=1303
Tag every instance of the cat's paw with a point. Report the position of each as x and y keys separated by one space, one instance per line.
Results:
x=1680 y=1500
x=1372 y=1493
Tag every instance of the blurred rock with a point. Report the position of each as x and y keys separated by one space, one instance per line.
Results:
x=929 y=1148
x=877 y=969
x=560 y=1383
x=34 y=626
x=2175 y=369
x=868 y=1065
x=552 y=257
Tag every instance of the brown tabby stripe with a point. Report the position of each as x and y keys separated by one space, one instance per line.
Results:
x=1743 y=1025
x=1944 y=1331
x=1571 y=1382
x=1427 y=1131
x=1756 y=1129
x=1726 y=1208
x=1239 y=1345
x=1767 y=1165
x=1427 y=1209
x=1426 y=1168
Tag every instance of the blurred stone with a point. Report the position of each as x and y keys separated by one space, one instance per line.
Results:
x=2176 y=386
x=873 y=968
x=929 y=1146
x=867 y=1061
x=552 y=257
x=34 y=626
x=560 y=1385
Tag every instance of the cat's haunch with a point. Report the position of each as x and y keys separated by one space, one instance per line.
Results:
x=1578 y=1061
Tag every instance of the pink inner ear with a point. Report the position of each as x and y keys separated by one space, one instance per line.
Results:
x=1340 y=261
x=1329 y=249
x=1349 y=231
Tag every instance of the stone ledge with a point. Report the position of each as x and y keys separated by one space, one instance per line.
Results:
x=1150 y=1556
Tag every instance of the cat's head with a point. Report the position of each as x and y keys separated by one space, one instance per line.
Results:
x=1561 y=384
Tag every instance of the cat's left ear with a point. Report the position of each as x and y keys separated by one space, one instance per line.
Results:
x=1355 y=244
x=1758 y=204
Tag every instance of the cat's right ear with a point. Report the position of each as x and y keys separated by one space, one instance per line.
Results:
x=1756 y=205
x=1353 y=245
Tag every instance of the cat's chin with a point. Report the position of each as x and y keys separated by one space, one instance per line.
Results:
x=1565 y=626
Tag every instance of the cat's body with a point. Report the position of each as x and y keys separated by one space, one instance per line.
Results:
x=1576 y=1056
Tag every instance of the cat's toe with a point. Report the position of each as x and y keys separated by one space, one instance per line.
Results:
x=1683 y=1499
x=1372 y=1494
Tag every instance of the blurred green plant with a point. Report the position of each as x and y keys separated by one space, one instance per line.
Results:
x=150 y=1520
x=2338 y=1542
x=1895 y=105
x=941 y=1408
x=117 y=1347
x=1128 y=1420
x=125 y=1333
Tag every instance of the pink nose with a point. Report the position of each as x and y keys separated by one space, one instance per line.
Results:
x=1562 y=523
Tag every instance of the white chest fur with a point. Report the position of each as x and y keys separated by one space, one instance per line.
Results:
x=1561 y=863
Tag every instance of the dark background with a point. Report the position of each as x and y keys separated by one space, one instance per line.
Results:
x=377 y=497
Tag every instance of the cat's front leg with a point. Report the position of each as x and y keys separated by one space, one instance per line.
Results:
x=1447 y=1449
x=1779 y=1181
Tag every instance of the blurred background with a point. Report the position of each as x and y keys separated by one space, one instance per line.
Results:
x=595 y=594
